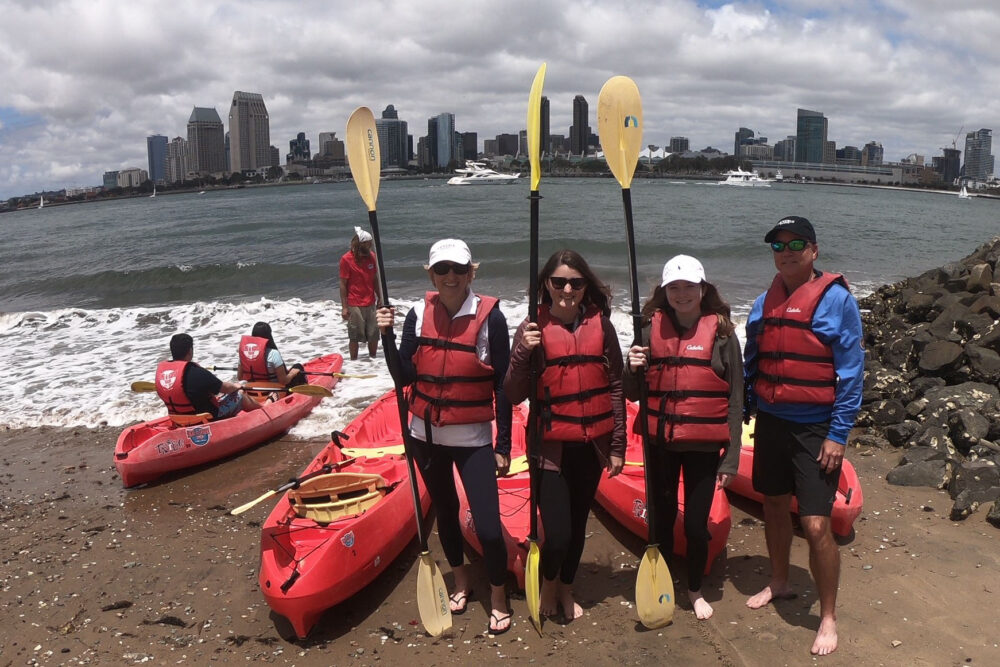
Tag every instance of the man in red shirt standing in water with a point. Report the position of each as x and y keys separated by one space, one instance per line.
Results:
x=360 y=293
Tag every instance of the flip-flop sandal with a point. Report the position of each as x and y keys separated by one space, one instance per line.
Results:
x=461 y=599
x=497 y=617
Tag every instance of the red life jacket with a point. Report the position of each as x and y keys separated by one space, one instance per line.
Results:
x=574 y=391
x=793 y=365
x=253 y=359
x=170 y=387
x=686 y=400
x=453 y=386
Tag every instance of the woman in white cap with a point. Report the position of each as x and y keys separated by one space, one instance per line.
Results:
x=453 y=355
x=360 y=291
x=582 y=412
x=694 y=376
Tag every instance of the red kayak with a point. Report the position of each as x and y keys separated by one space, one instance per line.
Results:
x=335 y=533
x=151 y=449
x=847 y=504
x=624 y=497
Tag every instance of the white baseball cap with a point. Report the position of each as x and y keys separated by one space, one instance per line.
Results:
x=682 y=267
x=363 y=236
x=449 y=250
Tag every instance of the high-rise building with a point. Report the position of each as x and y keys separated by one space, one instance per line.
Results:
x=679 y=144
x=978 y=158
x=275 y=157
x=742 y=135
x=522 y=143
x=392 y=139
x=470 y=145
x=849 y=155
x=506 y=144
x=298 y=149
x=829 y=152
x=110 y=179
x=784 y=149
x=206 y=142
x=177 y=160
x=156 y=156
x=443 y=143
x=949 y=165
x=810 y=136
x=132 y=177
x=871 y=154
x=490 y=147
x=544 y=140
x=579 y=133
x=249 y=132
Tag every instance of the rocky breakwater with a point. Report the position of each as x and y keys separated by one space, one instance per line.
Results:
x=931 y=380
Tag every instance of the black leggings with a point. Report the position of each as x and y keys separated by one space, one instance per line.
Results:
x=699 y=488
x=477 y=467
x=564 y=500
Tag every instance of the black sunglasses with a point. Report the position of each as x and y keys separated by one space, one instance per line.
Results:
x=442 y=268
x=559 y=282
x=795 y=245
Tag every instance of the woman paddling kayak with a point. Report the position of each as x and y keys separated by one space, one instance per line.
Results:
x=453 y=356
x=694 y=374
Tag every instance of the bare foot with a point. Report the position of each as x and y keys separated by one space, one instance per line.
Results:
x=548 y=599
x=771 y=592
x=702 y=609
x=826 y=637
x=571 y=610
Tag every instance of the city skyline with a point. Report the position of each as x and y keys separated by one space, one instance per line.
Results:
x=86 y=85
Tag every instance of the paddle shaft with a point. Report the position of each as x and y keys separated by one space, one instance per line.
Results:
x=534 y=432
x=335 y=375
x=640 y=372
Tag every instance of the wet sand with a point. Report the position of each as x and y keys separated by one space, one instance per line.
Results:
x=95 y=574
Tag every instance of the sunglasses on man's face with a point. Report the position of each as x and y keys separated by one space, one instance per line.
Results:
x=442 y=268
x=559 y=282
x=795 y=245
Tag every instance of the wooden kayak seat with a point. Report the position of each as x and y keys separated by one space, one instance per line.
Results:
x=333 y=496
x=190 y=420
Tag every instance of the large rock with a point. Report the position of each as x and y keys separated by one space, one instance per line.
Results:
x=920 y=454
x=994 y=516
x=980 y=277
x=975 y=482
x=974 y=325
x=984 y=362
x=888 y=412
x=899 y=435
x=935 y=437
x=934 y=473
x=918 y=306
x=988 y=304
x=966 y=428
x=941 y=358
x=967 y=395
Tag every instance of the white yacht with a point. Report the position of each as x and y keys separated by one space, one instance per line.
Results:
x=477 y=173
x=778 y=176
x=747 y=179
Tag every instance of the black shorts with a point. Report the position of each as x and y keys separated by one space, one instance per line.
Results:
x=785 y=461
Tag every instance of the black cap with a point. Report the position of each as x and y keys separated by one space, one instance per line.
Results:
x=794 y=224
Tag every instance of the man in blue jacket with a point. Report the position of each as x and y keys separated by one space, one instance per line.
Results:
x=804 y=365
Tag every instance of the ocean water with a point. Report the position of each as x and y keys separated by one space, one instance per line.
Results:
x=90 y=294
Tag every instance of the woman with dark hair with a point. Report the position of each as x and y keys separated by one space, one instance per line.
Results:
x=260 y=360
x=582 y=412
x=694 y=376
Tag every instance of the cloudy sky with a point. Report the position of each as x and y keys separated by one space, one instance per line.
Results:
x=84 y=82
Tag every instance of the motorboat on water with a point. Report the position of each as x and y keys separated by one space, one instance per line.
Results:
x=745 y=179
x=477 y=173
x=778 y=176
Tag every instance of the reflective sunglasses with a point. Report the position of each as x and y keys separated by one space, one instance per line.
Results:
x=559 y=282
x=795 y=245
x=442 y=268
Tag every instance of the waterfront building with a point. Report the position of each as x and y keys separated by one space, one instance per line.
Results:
x=679 y=144
x=829 y=152
x=156 y=156
x=949 y=165
x=886 y=174
x=110 y=180
x=424 y=153
x=545 y=137
x=275 y=157
x=849 y=155
x=506 y=144
x=489 y=147
x=392 y=139
x=810 y=136
x=441 y=139
x=579 y=132
x=249 y=132
x=785 y=149
x=757 y=151
x=872 y=154
x=132 y=177
x=470 y=145
x=522 y=143
x=743 y=135
x=298 y=149
x=557 y=144
x=978 y=158
x=177 y=160
x=206 y=142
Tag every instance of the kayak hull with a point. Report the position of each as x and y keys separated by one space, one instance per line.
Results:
x=154 y=448
x=847 y=503
x=307 y=567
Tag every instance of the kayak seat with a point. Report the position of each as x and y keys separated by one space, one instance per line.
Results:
x=190 y=420
x=276 y=390
x=337 y=495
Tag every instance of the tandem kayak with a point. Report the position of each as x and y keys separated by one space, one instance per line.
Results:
x=151 y=449
x=624 y=498
x=847 y=503
x=334 y=534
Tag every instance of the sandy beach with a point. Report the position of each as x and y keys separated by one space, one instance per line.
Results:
x=95 y=574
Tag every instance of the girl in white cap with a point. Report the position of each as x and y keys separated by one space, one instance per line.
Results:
x=694 y=376
x=453 y=355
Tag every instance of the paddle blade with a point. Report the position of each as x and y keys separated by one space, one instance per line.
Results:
x=311 y=390
x=143 y=387
x=535 y=127
x=532 y=585
x=363 y=154
x=259 y=499
x=517 y=466
x=432 y=597
x=373 y=452
x=654 y=590
x=619 y=123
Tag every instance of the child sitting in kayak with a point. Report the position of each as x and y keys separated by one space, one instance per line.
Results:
x=261 y=361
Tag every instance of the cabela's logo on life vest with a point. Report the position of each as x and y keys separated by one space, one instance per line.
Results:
x=167 y=379
x=695 y=348
x=793 y=309
x=639 y=510
x=348 y=539
x=199 y=435
x=251 y=350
